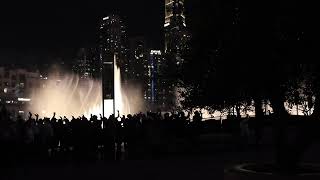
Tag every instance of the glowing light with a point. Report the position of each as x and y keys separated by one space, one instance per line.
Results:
x=24 y=99
x=299 y=110
x=71 y=96
x=108 y=107
x=155 y=52
x=121 y=102
x=74 y=96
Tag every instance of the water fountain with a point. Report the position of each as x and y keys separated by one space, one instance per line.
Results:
x=69 y=95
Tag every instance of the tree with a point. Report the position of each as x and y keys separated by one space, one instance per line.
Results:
x=272 y=36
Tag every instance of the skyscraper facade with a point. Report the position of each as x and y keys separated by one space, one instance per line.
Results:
x=176 y=51
x=87 y=64
x=176 y=34
x=16 y=87
x=138 y=61
x=143 y=69
x=113 y=39
x=154 y=78
x=113 y=49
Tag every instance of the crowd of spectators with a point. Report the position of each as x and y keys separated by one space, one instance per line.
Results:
x=109 y=138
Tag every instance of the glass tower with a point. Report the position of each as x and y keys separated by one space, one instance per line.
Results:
x=176 y=34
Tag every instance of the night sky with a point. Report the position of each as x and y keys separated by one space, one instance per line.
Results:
x=52 y=29
x=48 y=30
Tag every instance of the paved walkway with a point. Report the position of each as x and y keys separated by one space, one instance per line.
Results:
x=207 y=161
x=141 y=170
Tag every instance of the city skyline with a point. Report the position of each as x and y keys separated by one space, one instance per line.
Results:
x=64 y=28
x=140 y=62
x=80 y=19
x=92 y=82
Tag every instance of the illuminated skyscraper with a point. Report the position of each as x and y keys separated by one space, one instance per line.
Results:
x=154 y=75
x=144 y=68
x=113 y=39
x=176 y=51
x=138 y=65
x=87 y=63
x=112 y=45
x=176 y=34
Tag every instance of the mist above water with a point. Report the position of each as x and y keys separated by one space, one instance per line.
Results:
x=128 y=97
x=69 y=95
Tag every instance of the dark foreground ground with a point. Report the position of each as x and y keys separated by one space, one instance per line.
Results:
x=209 y=160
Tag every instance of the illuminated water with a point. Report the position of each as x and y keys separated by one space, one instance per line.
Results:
x=128 y=99
x=69 y=95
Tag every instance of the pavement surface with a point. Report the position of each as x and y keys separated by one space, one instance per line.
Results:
x=211 y=159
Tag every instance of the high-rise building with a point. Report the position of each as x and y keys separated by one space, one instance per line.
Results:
x=176 y=48
x=140 y=66
x=16 y=87
x=144 y=70
x=113 y=40
x=112 y=46
x=176 y=34
x=138 y=61
x=87 y=64
x=154 y=77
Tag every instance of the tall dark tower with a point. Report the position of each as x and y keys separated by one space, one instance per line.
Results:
x=113 y=50
x=176 y=51
x=87 y=63
x=176 y=34
x=113 y=39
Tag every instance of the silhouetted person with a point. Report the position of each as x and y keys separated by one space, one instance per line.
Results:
x=196 y=129
x=197 y=117
x=29 y=138
x=7 y=138
x=109 y=137
x=256 y=125
x=245 y=131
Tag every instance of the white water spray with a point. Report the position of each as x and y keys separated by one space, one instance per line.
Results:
x=69 y=95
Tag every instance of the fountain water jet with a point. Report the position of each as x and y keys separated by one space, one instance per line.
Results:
x=69 y=95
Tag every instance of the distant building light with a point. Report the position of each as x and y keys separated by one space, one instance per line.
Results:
x=106 y=18
x=21 y=112
x=5 y=90
x=24 y=99
x=155 y=52
x=8 y=102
